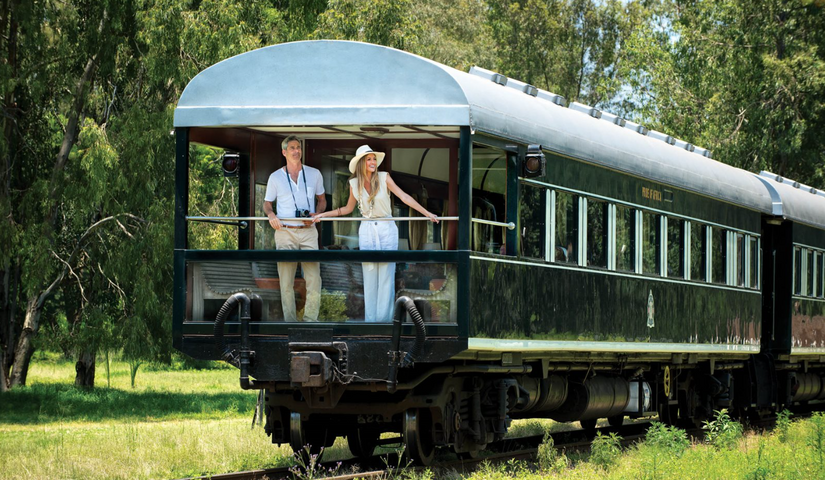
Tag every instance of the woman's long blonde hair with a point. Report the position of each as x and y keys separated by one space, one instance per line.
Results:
x=361 y=175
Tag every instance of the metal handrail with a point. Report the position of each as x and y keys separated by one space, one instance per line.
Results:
x=508 y=225
x=323 y=219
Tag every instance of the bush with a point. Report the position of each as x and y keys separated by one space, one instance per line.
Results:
x=723 y=432
x=671 y=440
x=605 y=450
x=550 y=459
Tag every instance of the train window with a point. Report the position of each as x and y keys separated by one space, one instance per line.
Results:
x=651 y=243
x=489 y=188
x=675 y=247
x=718 y=255
x=753 y=262
x=567 y=227
x=423 y=173
x=698 y=252
x=625 y=239
x=820 y=268
x=596 y=233
x=740 y=259
x=432 y=286
x=532 y=215
x=809 y=273
x=797 y=271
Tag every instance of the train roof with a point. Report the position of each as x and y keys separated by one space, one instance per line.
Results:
x=795 y=201
x=327 y=82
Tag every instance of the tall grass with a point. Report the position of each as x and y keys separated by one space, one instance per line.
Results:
x=184 y=422
x=173 y=424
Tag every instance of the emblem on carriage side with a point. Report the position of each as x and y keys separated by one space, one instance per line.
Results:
x=651 y=310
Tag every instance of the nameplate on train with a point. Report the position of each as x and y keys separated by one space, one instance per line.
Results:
x=652 y=194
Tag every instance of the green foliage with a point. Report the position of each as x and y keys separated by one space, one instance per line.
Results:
x=816 y=440
x=745 y=79
x=385 y=22
x=663 y=444
x=761 y=468
x=783 y=425
x=549 y=458
x=722 y=432
x=667 y=438
x=308 y=465
x=333 y=306
x=605 y=449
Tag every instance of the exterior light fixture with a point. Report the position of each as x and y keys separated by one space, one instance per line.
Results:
x=230 y=162
x=534 y=163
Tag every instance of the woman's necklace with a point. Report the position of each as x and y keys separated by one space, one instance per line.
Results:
x=361 y=203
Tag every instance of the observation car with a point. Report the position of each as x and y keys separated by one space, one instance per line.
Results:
x=585 y=267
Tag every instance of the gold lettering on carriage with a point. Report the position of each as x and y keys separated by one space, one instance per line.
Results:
x=652 y=194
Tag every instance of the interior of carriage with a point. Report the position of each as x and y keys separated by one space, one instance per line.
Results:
x=423 y=161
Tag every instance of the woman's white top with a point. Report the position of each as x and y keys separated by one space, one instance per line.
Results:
x=380 y=206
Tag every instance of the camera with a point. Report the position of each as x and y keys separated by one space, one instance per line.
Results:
x=302 y=213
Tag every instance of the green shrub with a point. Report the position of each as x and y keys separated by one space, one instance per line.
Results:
x=816 y=439
x=668 y=439
x=550 y=459
x=783 y=425
x=723 y=432
x=333 y=306
x=605 y=450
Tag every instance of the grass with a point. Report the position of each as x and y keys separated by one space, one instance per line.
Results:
x=173 y=424
x=178 y=423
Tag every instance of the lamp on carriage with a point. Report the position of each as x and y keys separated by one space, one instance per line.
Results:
x=534 y=163
x=230 y=162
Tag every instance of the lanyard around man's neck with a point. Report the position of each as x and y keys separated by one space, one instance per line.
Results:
x=289 y=181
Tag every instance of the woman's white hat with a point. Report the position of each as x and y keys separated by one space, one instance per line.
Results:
x=364 y=150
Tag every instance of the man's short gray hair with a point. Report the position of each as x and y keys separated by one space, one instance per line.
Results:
x=290 y=138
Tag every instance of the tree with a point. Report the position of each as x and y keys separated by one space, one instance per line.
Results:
x=570 y=47
x=745 y=79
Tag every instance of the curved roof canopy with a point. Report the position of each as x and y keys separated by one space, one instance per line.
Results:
x=321 y=83
x=794 y=201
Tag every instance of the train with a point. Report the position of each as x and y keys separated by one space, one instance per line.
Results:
x=584 y=268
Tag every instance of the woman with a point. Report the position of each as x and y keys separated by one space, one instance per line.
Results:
x=370 y=189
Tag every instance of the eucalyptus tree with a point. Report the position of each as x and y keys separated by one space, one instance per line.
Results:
x=571 y=47
x=744 y=78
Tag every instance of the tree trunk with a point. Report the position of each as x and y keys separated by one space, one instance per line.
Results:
x=85 y=368
x=3 y=385
x=25 y=347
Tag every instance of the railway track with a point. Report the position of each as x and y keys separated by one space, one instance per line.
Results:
x=517 y=448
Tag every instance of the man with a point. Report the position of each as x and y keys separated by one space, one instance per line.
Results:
x=298 y=191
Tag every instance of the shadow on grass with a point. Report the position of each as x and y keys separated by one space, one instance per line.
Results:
x=65 y=403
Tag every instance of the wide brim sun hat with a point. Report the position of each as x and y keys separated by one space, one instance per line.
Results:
x=365 y=150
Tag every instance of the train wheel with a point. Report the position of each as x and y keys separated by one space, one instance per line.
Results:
x=300 y=436
x=418 y=436
x=470 y=455
x=615 y=421
x=362 y=442
x=668 y=414
x=589 y=426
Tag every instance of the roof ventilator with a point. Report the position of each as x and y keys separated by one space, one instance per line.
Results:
x=636 y=127
x=703 y=152
x=531 y=90
x=614 y=119
x=593 y=112
x=551 y=97
x=687 y=146
x=661 y=136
